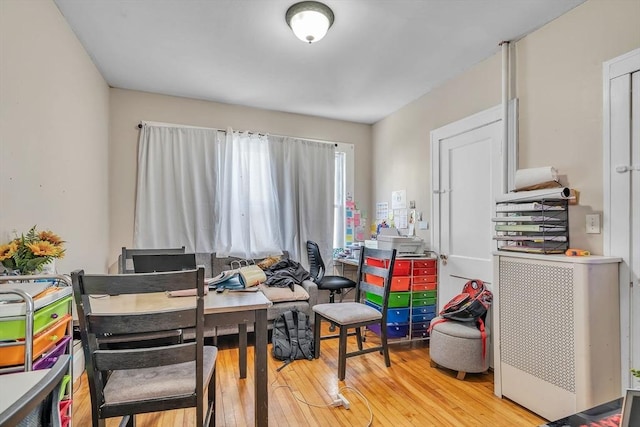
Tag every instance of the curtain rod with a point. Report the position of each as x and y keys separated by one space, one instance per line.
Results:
x=249 y=132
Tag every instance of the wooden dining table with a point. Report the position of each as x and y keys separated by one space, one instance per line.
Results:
x=227 y=308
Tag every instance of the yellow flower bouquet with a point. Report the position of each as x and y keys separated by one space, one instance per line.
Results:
x=28 y=253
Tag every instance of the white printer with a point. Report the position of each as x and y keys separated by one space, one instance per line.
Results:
x=390 y=238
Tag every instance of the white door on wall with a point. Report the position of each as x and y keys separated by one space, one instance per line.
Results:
x=467 y=174
x=622 y=197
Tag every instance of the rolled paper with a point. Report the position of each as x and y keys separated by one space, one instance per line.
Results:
x=533 y=176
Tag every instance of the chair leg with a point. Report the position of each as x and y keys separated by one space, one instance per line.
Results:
x=211 y=396
x=385 y=347
x=461 y=375
x=128 y=421
x=359 y=337
x=342 y=353
x=316 y=335
x=332 y=299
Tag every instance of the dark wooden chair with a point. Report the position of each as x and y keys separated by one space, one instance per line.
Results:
x=126 y=259
x=156 y=263
x=128 y=381
x=374 y=277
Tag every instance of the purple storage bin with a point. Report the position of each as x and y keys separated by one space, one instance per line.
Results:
x=49 y=359
x=393 y=331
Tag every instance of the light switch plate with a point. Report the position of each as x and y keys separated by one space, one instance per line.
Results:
x=593 y=224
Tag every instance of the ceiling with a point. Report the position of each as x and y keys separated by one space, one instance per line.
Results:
x=378 y=56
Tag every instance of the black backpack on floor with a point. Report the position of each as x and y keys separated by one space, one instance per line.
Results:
x=292 y=337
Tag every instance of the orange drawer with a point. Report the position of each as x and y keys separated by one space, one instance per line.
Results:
x=426 y=263
x=42 y=342
x=424 y=271
x=397 y=283
x=424 y=279
x=374 y=280
x=425 y=286
x=400 y=283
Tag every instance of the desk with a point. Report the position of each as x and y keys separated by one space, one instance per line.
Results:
x=219 y=309
x=342 y=262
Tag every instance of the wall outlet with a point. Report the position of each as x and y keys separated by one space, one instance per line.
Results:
x=593 y=224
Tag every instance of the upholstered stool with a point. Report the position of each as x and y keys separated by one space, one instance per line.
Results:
x=458 y=346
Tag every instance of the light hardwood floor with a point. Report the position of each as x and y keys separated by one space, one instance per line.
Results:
x=409 y=393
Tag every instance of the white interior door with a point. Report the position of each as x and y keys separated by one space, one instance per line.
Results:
x=466 y=178
x=622 y=197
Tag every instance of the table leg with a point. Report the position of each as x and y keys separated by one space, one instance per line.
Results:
x=261 y=375
x=242 y=349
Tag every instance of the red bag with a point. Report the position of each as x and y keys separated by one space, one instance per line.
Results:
x=469 y=306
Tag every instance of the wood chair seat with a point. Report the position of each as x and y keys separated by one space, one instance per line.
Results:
x=160 y=382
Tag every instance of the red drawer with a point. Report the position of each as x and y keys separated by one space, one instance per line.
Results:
x=375 y=262
x=424 y=279
x=425 y=287
x=402 y=268
x=424 y=271
x=427 y=263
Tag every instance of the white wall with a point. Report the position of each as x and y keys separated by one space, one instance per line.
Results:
x=53 y=134
x=128 y=108
x=559 y=84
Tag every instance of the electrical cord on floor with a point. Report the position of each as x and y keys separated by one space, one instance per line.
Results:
x=362 y=397
x=339 y=401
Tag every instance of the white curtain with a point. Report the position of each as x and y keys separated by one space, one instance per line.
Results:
x=246 y=204
x=304 y=177
x=175 y=189
x=236 y=194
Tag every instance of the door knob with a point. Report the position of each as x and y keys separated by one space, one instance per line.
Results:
x=444 y=259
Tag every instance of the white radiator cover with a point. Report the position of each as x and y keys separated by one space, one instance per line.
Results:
x=556 y=332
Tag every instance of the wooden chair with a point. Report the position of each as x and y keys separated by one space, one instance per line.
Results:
x=157 y=263
x=126 y=259
x=128 y=381
x=374 y=277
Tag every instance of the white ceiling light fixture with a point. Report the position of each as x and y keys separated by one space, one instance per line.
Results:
x=309 y=20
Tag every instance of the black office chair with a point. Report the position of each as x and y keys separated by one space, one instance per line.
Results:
x=333 y=284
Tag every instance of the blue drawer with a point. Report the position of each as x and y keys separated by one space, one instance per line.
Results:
x=394 y=315
x=420 y=330
x=421 y=318
x=425 y=309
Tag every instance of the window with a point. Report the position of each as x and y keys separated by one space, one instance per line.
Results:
x=344 y=171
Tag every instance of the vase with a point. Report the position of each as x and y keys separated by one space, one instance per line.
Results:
x=48 y=268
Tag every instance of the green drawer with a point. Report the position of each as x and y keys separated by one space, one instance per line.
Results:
x=14 y=329
x=423 y=294
x=396 y=299
x=423 y=302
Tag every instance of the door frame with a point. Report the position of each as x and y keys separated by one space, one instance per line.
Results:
x=467 y=124
x=617 y=67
